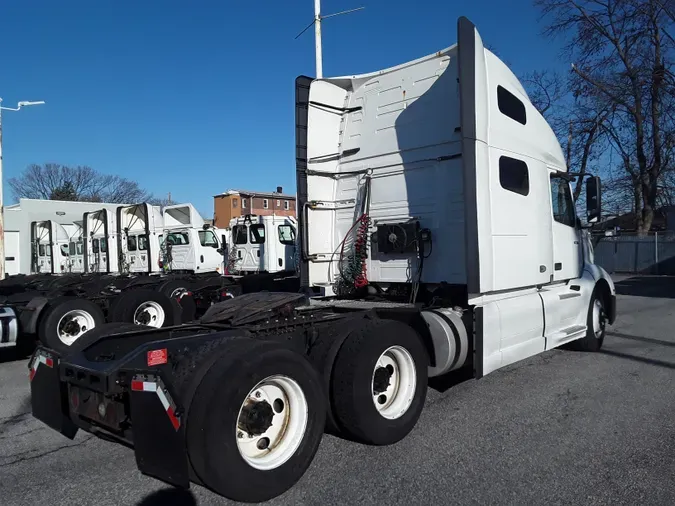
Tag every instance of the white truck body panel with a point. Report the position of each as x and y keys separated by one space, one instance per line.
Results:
x=18 y=220
x=452 y=141
x=75 y=247
x=139 y=227
x=100 y=241
x=193 y=247
x=262 y=243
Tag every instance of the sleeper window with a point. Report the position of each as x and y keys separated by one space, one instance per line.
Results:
x=514 y=176
x=511 y=106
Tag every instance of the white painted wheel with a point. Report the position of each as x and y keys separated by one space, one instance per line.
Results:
x=149 y=313
x=73 y=324
x=272 y=422
x=394 y=382
x=599 y=319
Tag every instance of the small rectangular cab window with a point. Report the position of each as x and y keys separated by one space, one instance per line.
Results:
x=511 y=106
x=239 y=234
x=286 y=235
x=143 y=242
x=257 y=233
x=562 y=202
x=94 y=245
x=514 y=175
x=131 y=243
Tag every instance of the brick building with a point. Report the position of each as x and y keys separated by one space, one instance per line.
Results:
x=235 y=203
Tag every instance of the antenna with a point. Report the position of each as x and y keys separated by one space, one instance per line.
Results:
x=317 y=32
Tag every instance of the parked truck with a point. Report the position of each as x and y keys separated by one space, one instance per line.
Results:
x=436 y=216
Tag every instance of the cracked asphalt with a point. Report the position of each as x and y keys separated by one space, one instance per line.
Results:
x=559 y=428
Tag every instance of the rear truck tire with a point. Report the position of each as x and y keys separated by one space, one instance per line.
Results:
x=255 y=422
x=66 y=320
x=103 y=330
x=174 y=287
x=596 y=322
x=379 y=382
x=145 y=307
x=180 y=291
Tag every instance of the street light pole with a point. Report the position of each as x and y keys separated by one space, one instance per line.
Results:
x=2 y=201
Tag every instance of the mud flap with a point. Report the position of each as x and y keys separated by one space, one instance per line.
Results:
x=159 y=432
x=48 y=395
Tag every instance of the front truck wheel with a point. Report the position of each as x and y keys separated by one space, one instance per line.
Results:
x=379 y=382
x=596 y=323
x=66 y=319
x=255 y=421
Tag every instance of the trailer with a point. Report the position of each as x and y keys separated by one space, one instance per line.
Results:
x=436 y=216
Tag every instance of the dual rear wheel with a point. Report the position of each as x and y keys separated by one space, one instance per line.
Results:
x=257 y=415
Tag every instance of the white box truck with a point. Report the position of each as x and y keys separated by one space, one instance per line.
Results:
x=435 y=203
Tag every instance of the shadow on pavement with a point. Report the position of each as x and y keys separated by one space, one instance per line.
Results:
x=447 y=381
x=651 y=340
x=647 y=286
x=169 y=497
x=643 y=360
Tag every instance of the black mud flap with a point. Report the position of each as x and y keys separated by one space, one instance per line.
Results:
x=159 y=431
x=48 y=395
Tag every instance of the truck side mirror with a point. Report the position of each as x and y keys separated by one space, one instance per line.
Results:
x=593 y=199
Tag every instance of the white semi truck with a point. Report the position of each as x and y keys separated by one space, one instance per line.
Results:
x=435 y=206
x=262 y=244
x=188 y=244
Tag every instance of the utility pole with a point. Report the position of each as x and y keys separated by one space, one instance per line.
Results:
x=317 y=39
x=317 y=33
x=2 y=202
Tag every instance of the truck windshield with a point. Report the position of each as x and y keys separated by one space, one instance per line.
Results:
x=286 y=234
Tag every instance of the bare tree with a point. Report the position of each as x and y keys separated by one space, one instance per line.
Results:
x=623 y=55
x=81 y=183
x=576 y=123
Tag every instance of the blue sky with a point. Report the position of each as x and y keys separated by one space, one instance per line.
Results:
x=194 y=98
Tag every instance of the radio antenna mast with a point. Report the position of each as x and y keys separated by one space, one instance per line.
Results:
x=317 y=32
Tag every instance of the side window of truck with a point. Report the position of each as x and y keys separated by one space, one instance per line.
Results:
x=207 y=239
x=257 y=234
x=143 y=242
x=41 y=249
x=131 y=243
x=104 y=245
x=64 y=250
x=239 y=234
x=514 y=176
x=511 y=106
x=561 y=200
x=71 y=248
x=94 y=245
x=80 y=248
x=286 y=235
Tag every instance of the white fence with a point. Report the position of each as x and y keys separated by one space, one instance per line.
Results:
x=652 y=254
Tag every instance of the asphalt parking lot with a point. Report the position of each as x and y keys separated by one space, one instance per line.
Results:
x=559 y=428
